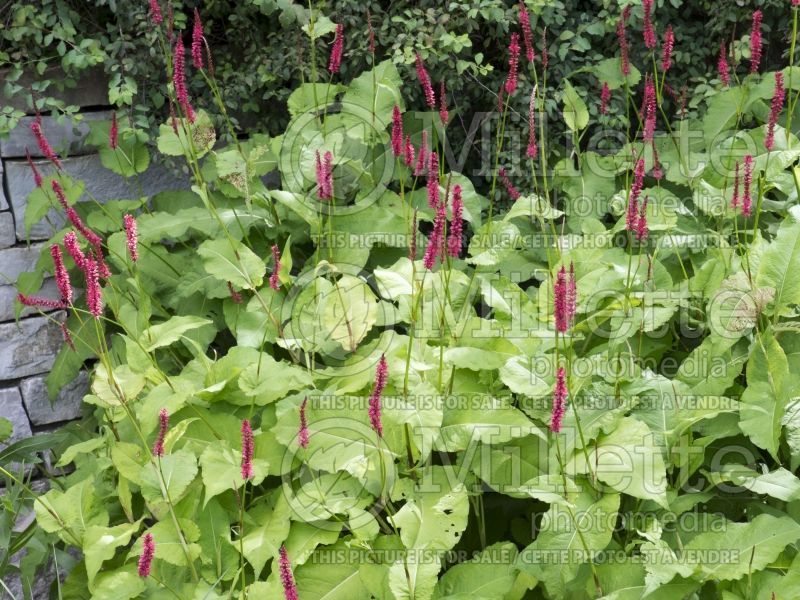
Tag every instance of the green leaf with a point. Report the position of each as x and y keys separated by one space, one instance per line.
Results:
x=780 y=483
x=779 y=265
x=169 y=332
x=202 y=139
x=266 y=528
x=610 y=71
x=490 y=575
x=100 y=544
x=128 y=158
x=168 y=541
x=233 y=262
x=71 y=512
x=576 y=115
x=328 y=578
x=171 y=474
x=268 y=380
x=6 y=429
x=118 y=585
x=222 y=469
x=305 y=537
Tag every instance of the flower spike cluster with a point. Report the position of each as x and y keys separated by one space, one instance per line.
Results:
x=778 y=99
x=247 y=450
x=560 y=394
x=381 y=377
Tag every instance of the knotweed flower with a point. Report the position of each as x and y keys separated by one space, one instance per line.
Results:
x=370 y=33
x=512 y=191
x=638 y=180
x=658 y=173
x=71 y=244
x=325 y=176
x=755 y=42
x=572 y=295
x=163 y=427
x=132 y=237
x=67 y=336
x=722 y=65
x=423 y=158
x=443 y=114
x=425 y=81
x=302 y=434
x=527 y=36
x=605 y=97
x=433 y=181
x=155 y=13
x=666 y=54
x=649 y=109
x=37 y=177
x=501 y=99
x=73 y=217
x=412 y=249
x=641 y=224
x=545 y=55
x=632 y=214
x=559 y=401
x=381 y=376
x=777 y=106
x=623 y=47
x=197 y=41
x=735 y=199
x=113 y=133
x=747 y=199
x=274 y=282
x=397 y=131
x=335 y=62
x=437 y=238
x=148 y=552
x=179 y=81
x=456 y=225
x=408 y=152
x=235 y=296
x=247 y=450
x=513 y=65
x=94 y=297
x=533 y=148
x=36 y=301
x=61 y=274
x=649 y=32
x=287 y=579
x=44 y=145
x=560 y=301
x=170 y=22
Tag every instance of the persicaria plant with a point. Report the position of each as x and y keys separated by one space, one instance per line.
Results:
x=383 y=379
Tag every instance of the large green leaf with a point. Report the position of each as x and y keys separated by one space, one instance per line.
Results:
x=233 y=262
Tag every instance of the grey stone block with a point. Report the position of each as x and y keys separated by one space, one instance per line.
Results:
x=90 y=89
x=67 y=405
x=14 y=261
x=8 y=296
x=11 y=408
x=65 y=136
x=7 y=235
x=101 y=184
x=30 y=347
x=3 y=201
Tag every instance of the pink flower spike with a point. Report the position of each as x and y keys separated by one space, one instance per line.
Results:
x=512 y=191
x=457 y=224
x=302 y=435
x=533 y=148
x=155 y=13
x=513 y=64
x=572 y=296
x=94 y=297
x=755 y=42
x=197 y=41
x=560 y=306
x=335 y=62
x=560 y=394
x=61 y=274
x=274 y=281
x=735 y=199
x=397 y=131
x=36 y=301
x=605 y=97
x=412 y=248
x=37 y=177
x=247 y=450
x=287 y=578
x=146 y=558
x=443 y=114
x=425 y=81
x=179 y=81
x=132 y=237
x=641 y=225
x=44 y=145
x=649 y=32
x=324 y=176
x=381 y=377
x=236 y=297
x=623 y=47
x=778 y=99
x=71 y=244
x=747 y=199
x=67 y=336
x=423 y=158
x=527 y=36
x=649 y=109
x=370 y=34
x=437 y=238
x=433 y=181
x=722 y=65
x=163 y=426
x=545 y=55
x=666 y=54
x=113 y=133
x=638 y=180
x=408 y=152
